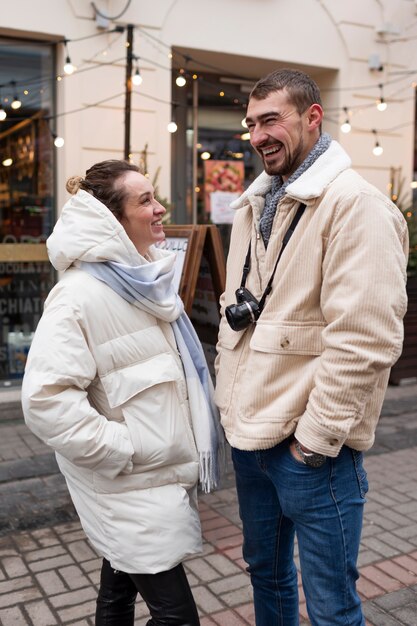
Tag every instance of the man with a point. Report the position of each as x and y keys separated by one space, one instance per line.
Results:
x=303 y=363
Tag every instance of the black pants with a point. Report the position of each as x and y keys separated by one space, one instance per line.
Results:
x=167 y=595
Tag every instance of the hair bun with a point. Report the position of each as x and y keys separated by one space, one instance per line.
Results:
x=74 y=184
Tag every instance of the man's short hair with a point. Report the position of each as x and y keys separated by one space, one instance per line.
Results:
x=302 y=90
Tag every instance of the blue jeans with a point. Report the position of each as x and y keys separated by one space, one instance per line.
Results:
x=280 y=496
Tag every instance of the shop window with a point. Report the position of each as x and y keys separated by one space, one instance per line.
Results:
x=26 y=196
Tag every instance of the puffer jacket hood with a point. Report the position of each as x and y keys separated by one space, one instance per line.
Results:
x=88 y=231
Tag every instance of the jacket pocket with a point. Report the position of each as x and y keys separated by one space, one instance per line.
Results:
x=122 y=384
x=288 y=338
x=280 y=365
x=152 y=397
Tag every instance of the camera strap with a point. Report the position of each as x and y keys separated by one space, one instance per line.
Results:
x=285 y=241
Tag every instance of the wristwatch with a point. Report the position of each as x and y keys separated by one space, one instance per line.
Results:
x=312 y=459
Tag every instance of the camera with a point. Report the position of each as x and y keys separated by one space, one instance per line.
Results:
x=246 y=311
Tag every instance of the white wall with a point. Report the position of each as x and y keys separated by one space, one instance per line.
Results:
x=333 y=38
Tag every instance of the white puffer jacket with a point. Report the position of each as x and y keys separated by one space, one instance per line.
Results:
x=105 y=388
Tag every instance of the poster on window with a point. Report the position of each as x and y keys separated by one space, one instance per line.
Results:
x=223 y=183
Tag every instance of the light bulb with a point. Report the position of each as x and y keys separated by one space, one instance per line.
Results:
x=381 y=105
x=245 y=136
x=137 y=78
x=180 y=80
x=172 y=127
x=346 y=127
x=16 y=104
x=7 y=162
x=69 y=68
x=58 y=141
x=205 y=156
x=3 y=113
x=378 y=150
x=243 y=122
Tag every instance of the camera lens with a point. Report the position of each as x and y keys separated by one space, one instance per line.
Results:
x=240 y=316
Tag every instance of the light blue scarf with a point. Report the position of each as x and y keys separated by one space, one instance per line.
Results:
x=150 y=288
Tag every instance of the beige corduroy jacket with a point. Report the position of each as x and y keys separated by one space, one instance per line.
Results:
x=317 y=361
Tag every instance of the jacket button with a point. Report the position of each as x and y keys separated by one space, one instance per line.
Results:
x=285 y=342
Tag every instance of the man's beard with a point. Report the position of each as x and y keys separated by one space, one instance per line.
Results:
x=290 y=163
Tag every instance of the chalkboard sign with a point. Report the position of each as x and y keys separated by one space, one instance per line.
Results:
x=199 y=251
x=200 y=276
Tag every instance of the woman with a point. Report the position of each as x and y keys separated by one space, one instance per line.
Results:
x=117 y=384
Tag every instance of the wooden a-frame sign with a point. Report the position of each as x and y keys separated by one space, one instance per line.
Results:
x=192 y=242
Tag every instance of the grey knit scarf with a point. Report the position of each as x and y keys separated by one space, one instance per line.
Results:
x=278 y=188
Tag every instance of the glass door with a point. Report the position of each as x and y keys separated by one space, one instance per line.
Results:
x=26 y=196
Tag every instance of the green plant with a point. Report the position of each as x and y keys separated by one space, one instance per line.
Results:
x=401 y=199
x=143 y=167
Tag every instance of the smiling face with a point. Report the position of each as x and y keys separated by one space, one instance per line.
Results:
x=280 y=134
x=142 y=213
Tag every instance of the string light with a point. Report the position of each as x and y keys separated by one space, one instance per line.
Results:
x=346 y=127
x=381 y=105
x=180 y=80
x=205 y=155
x=137 y=78
x=3 y=113
x=69 y=68
x=58 y=141
x=378 y=149
x=243 y=123
x=120 y=29
x=172 y=126
x=16 y=103
x=7 y=162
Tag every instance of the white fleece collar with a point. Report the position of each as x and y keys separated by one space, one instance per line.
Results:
x=310 y=184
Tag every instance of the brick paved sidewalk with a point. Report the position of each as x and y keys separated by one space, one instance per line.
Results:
x=49 y=575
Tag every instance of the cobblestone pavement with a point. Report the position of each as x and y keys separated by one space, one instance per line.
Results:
x=49 y=572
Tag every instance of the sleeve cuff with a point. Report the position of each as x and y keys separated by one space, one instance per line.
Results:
x=317 y=438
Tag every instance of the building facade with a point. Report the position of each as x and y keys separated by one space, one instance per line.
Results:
x=362 y=54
